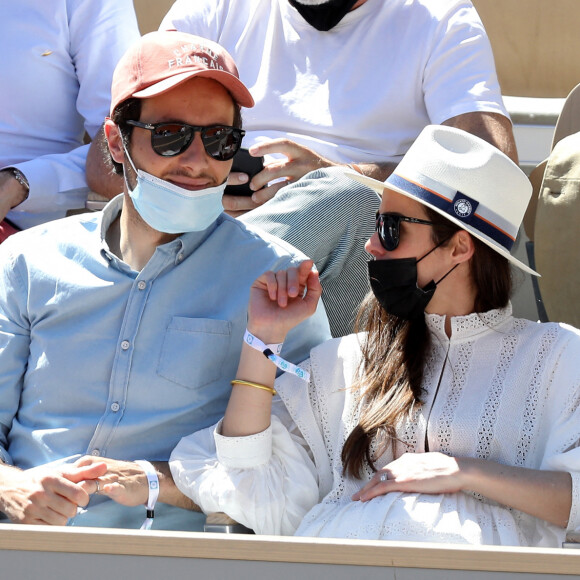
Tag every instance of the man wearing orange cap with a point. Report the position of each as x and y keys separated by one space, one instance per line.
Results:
x=339 y=82
x=120 y=330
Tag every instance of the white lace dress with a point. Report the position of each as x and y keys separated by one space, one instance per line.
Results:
x=509 y=392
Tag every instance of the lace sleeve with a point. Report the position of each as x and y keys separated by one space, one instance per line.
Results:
x=562 y=448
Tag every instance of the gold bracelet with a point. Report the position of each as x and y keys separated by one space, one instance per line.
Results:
x=256 y=385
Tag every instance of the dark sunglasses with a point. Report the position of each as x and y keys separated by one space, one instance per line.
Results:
x=169 y=139
x=388 y=227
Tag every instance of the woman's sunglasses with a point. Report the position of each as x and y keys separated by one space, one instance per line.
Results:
x=169 y=139
x=388 y=227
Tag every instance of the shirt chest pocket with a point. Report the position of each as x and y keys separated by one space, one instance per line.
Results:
x=194 y=351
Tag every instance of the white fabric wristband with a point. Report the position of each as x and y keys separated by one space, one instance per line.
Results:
x=272 y=351
x=153 y=482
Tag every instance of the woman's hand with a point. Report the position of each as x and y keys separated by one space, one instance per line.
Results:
x=540 y=493
x=281 y=300
x=415 y=472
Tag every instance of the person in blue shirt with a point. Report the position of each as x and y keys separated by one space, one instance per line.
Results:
x=120 y=330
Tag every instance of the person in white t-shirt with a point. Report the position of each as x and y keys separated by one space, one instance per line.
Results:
x=345 y=82
x=56 y=72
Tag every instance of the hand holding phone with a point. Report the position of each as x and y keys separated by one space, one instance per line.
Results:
x=245 y=163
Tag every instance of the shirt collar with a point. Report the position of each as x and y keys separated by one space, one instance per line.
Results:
x=109 y=214
x=183 y=246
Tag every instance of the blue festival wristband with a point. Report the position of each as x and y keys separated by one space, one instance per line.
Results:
x=272 y=352
x=153 y=485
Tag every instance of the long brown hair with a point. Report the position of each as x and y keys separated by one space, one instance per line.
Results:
x=393 y=354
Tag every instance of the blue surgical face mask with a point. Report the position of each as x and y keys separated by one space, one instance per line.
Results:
x=172 y=209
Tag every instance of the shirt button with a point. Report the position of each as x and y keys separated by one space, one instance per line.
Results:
x=179 y=257
x=125 y=344
x=115 y=407
x=142 y=285
x=95 y=452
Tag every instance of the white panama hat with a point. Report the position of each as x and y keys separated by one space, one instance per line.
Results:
x=468 y=181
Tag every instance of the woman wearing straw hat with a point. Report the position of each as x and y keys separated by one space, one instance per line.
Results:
x=446 y=420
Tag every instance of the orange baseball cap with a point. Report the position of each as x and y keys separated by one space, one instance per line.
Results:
x=161 y=60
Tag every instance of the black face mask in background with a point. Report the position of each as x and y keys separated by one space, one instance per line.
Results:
x=325 y=16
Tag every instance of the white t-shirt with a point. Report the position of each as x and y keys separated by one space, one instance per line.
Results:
x=56 y=70
x=361 y=91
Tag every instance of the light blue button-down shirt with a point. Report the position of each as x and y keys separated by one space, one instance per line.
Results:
x=99 y=359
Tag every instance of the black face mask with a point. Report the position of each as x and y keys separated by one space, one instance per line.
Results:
x=324 y=16
x=394 y=284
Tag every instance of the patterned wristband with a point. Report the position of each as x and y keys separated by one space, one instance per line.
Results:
x=269 y=353
x=153 y=482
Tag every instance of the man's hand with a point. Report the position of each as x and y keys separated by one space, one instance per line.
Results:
x=126 y=483
x=45 y=495
x=299 y=161
x=238 y=205
x=12 y=193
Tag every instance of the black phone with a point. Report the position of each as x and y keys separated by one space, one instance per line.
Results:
x=245 y=163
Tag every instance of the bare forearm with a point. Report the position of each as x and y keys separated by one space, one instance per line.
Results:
x=378 y=171
x=168 y=492
x=278 y=302
x=126 y=482
x=7 y=475
x=249 y=408
x=543 y=494
x=491 y=127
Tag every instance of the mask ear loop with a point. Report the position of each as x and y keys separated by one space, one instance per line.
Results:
x=445 y=276
x=130 y=162
x=432 y=250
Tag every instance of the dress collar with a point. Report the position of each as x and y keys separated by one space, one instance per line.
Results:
x=469 y=326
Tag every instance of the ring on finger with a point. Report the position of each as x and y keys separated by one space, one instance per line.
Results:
x=383 y=477
x=98 y=486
